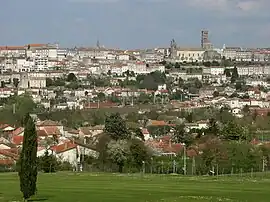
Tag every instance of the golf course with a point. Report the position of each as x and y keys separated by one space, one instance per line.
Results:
x=86 y=187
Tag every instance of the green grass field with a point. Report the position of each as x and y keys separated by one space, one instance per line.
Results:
x=86 y=187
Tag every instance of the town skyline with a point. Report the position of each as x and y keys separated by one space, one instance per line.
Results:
x=137 y=24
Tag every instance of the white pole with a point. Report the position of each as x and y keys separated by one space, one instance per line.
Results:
x=185 y=160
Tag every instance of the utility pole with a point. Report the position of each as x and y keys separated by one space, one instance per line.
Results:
x=193 y=165
x=14 y=108
x=185 y=159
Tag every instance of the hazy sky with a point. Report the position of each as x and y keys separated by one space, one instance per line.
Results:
x=135 y=23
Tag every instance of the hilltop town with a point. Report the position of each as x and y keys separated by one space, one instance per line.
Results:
x=70 y=91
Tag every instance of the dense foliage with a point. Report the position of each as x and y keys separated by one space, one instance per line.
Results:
x=28 y=160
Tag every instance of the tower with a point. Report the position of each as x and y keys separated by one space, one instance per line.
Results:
x=173 y=47
x=98 y=45
x=205 y=42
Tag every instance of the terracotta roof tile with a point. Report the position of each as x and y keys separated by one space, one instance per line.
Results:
x=64 y=147
x=17 y=140
x=7 y=162
x=9 y=154
x=52 y=130
x=18 y=131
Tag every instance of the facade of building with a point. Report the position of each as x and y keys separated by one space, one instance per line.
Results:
x=190 y=54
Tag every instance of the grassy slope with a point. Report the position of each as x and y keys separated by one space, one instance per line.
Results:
x=71 y=187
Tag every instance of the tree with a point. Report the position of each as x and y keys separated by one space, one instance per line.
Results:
x=116 y=127
x=235 y=75
x=215 y=94
x=189 y=117
x=16 y=82
x=213 y=127
x=177 y=65
x=138 y=153
x=101 y=97
x=118 y=152
x=3 y=84
x=71 y=77
x=28 y=160
x=180 y=135
x=198 y=83
x=180 y=82
x=49 y=82
x=246 y=109
x=48 y=163
x=234 y=131
x=227 y=72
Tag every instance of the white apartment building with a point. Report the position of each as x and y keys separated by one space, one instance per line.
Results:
x=230 y=52
x=213 y=70
x=24 y=65
x=253 y=70
x=244 y=55
x=12 y=51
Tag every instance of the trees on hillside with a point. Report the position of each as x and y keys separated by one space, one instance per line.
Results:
x=71 y=77
x=180 y=135
x=28 y=159
x=235 y=75
x=234 y=131
x=123 y=144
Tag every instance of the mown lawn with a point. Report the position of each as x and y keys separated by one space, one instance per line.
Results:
x=86 y=187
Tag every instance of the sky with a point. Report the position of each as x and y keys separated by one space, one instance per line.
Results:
x=135 y=23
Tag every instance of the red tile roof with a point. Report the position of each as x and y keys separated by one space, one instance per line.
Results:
x=2 y=126
x=51 y=130
x=41 y=133
x=64 y=147
x=17 y=140
x=17 y=131
x=9 y=154
x=36 y=45
x=7 y=162
x=145 y=131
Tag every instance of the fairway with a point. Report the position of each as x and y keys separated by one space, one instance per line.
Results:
x=86 y=187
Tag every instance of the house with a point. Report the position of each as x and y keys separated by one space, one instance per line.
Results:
x=8 y=158
x=5 y=144
x=66 y=152
x=6 y=128
x=18 y=132
x=146 y=134
x=71 y=133
x=92 y=131
x=51 y=127
x=17 y=140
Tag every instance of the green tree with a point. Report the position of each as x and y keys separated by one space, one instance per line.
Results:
x=180 y=82
x=3 y=84
x=180 y=135
x=48 y=163
x=71 y=77
x=213 y=127
x=190 y=117
x=28 y=160
x=116 y=127
x=235 y=75
x=16 y=82
x=138 y=153
x=49 y=82
x=234 y=131
x=177 y=65
x=101 y=97
x=215 y=94
x=118 y=152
